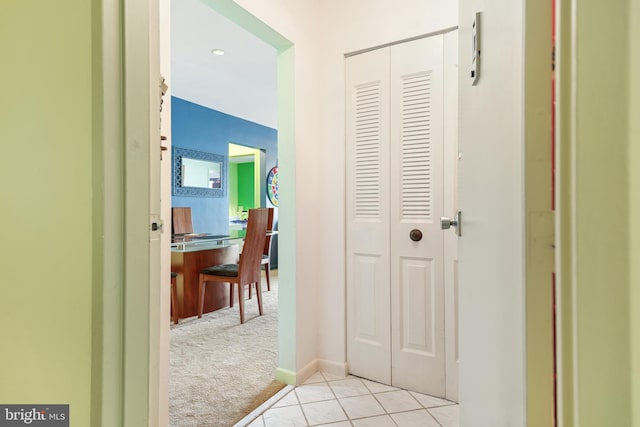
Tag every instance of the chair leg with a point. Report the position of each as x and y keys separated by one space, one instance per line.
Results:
x=241 y=301
x=174 y=301
x=230 y=294
x=267 y=268
x=259 y=296
x=201 y=295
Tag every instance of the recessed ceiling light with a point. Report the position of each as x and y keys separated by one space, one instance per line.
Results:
x=218 y=52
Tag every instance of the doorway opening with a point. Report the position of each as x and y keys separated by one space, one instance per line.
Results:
x=246 y=169
x=235 y=119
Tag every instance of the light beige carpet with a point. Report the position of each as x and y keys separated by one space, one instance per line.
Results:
x=221 y=370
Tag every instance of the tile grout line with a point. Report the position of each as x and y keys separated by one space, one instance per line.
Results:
x=269 y=404
x=374 y=395
x=338 y=400
x=385 y=409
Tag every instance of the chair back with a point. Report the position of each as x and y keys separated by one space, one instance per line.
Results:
x=181 y=221
x=251 y=257
x=267 y=240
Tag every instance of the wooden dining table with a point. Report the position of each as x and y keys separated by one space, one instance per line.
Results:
x=190 y=254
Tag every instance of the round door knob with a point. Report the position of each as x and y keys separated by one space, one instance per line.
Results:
x=415 y=235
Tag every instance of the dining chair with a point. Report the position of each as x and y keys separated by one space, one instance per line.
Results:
x=246 y=271
x=181 y=221
x=266 y=253
x=174 y=299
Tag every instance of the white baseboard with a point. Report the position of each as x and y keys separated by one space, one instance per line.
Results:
x=339 y=369
x=306 y=372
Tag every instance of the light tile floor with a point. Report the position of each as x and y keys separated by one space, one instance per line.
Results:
x=325 y=400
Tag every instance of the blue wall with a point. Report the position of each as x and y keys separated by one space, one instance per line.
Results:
x=199 y=128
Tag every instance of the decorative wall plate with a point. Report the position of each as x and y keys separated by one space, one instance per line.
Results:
x=272 y=186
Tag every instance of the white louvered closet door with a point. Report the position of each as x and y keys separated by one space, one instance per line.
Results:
x=367 y=183
x=416 y=176
x=395 y=285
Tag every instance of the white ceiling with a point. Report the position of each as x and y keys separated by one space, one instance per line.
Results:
x=241 y=83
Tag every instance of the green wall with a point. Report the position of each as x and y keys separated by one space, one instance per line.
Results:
x=540 y=262
x=46 y=215
x=233 y=189
x=634 y=198
x=241 y=187
x=600 y=198
x=602 y=202
x=564 y=233
x=246 y=185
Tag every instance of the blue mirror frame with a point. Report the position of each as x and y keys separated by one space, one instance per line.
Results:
x=177 y=189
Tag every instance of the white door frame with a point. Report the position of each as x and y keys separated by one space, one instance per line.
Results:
x=450 y=207
x=287 y=350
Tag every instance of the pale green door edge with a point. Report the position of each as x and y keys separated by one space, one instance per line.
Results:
x=125 y=328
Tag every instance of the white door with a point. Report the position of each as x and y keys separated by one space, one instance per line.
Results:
x=395 y=186
x=416 y=178
x=367 y=209
x=492 y=248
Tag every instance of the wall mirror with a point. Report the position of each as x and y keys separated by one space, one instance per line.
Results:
x=198 y=174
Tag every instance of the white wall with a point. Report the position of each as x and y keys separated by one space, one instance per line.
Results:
x=322 y=32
